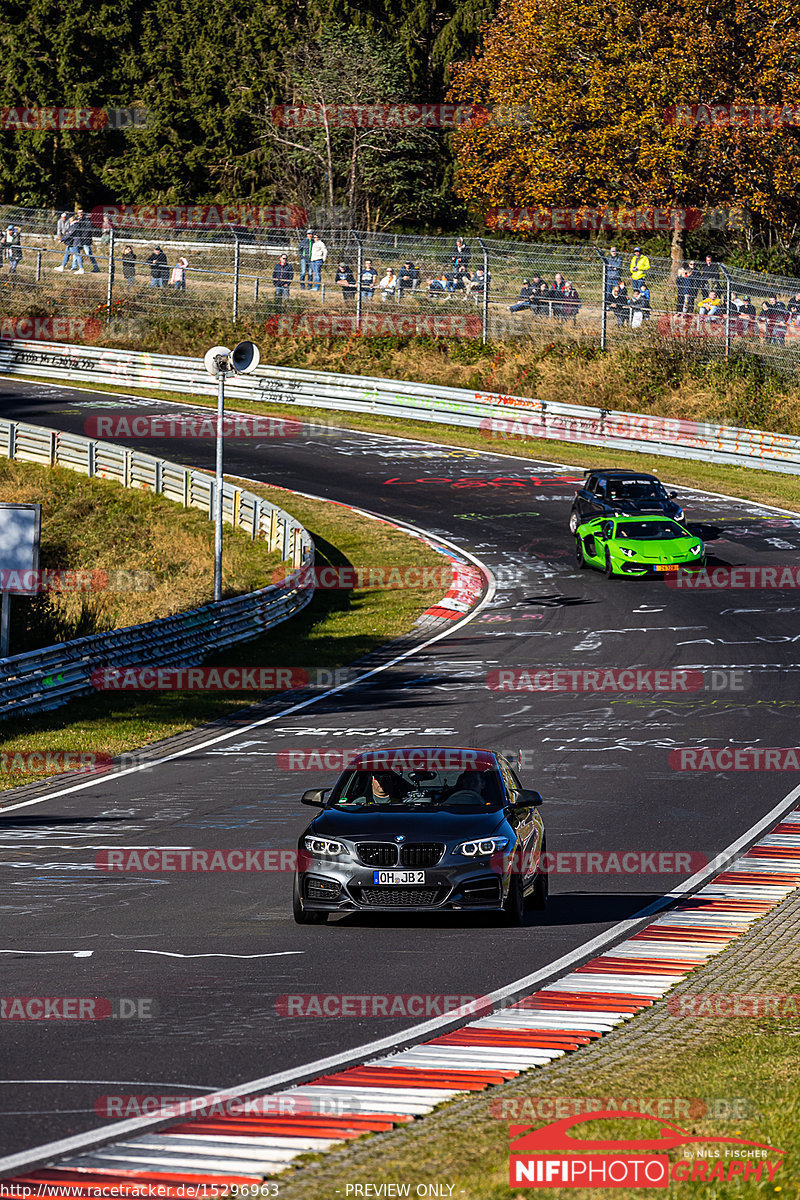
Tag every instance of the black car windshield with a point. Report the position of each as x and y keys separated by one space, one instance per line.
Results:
x=636 y=489
x=650 y=531
x=440 y=790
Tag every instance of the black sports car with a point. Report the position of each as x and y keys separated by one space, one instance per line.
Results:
x=420 y=830
x=618 y=493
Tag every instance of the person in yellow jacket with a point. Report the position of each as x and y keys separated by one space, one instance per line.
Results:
x=640 y=264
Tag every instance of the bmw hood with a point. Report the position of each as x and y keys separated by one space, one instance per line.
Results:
x=439 y=825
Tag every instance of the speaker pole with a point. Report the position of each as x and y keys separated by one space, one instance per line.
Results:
x=218 y=491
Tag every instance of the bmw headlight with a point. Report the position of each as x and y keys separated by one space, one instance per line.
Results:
x=324 y=847
x=481 y=847
x=628 y=553
x=696 y=549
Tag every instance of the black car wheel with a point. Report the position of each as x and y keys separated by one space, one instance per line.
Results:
x=301 y=915
x=514 y=907
x=541 y=887
x=580 y=557
x=573 y=521
x=609 y=568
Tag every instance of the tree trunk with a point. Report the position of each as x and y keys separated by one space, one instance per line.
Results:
x=678 y=249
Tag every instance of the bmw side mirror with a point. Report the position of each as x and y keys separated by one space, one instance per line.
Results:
x=314 y=796
x=673 y=495
x=528 y=799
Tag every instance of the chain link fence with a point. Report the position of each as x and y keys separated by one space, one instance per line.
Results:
x=141 y=267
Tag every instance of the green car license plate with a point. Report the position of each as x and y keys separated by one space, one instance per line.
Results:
x=668 y=567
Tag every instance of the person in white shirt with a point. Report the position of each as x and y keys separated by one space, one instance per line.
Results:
x=388 y=284
x=319 y=252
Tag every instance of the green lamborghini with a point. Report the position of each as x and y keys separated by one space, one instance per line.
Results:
x=649 y=546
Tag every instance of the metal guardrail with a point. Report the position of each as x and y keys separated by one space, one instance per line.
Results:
x=499 y=416
x=44 y=679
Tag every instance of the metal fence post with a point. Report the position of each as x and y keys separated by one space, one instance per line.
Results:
x=359 y=258
x=236 y=258
x=604 y=306
x=110 y=283
x=38 y=266
x=727 y=312
x=485 y=309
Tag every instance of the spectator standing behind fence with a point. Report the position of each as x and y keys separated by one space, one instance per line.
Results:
x=178 y=276
x=159 y=270
x=692 y=283
x=129 y=265
x=282 y=276
x=793 y=309
x=304 y=254
x=461 y=254
x=13 y=248
x=84 y=233
x=773 y=312
x=408 y=279
x=347 y=279
x=71 y=240
x=613 y=261
x=618 y=304
x=388 y=285
x=369 y=277
x=62 y=226
x=640 y=265
x=709 y=278
x=319 y=253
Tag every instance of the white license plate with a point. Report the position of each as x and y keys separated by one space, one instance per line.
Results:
x=398 y=877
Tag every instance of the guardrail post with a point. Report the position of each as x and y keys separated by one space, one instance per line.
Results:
x=485 y=309
x=110 y=282
x=236 y=263
x=12 y=439
x=91 y=459
x=256 y=520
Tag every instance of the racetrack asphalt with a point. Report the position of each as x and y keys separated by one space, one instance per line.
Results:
x=215 y=951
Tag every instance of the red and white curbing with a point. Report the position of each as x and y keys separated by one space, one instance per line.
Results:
x=571 y=1012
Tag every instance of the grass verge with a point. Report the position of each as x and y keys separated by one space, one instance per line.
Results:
x=334 y=630
x=142 y=556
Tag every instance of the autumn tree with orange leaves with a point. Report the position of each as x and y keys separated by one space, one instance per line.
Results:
x=595 y=80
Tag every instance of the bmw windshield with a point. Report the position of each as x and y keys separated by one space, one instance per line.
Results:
x=635 y=489
x=457 y=791
x=650 y=531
